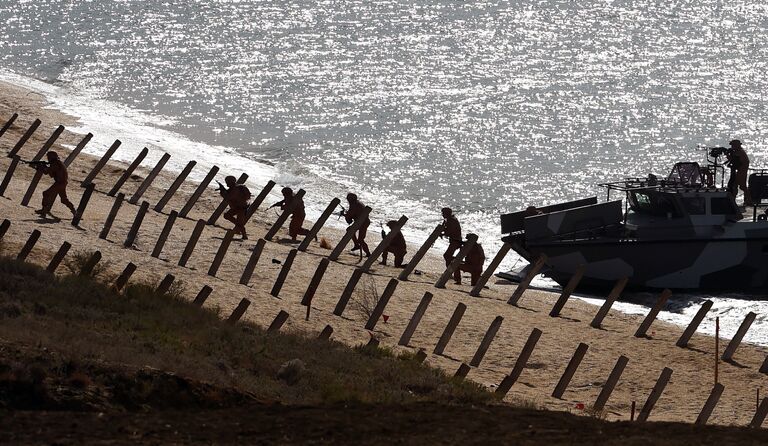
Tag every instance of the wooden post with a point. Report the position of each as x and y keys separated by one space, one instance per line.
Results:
x=709 y=406
x=597 y=322
x=86 y=197
x=87 y=269
x=9 y=174
x=411 y=265
x=351 y=230
x=239 y=311
x=763 y=368
x=125 y=276
x=314 y=283
x=569 y=288
x=632 y=411
x=463 y=371
x=686 y=336
x=734 y=344
x=128 y=172
x=283 y=273
x=149 y=179
x=134 y=232
x=421 y=355
x=225 y=242
x=76 y=151
x=38 y=175
x=252 y=262
x=717 y=348
x=386 y=295
x=198 y=192
x=610 y=384
x=384 y=244
x=760 y=414
x=58 y=257
x=284 y=215
x=658 y=389
x=8 y=124
x=318 y=224
x=102 y=162
x=164 y=234
x=458 y=313
x=347 y=293
x=526 y=282
x=4 y=226
x=112 y=215
x=415 y=319
x=223 y=205
x=520 y=364
x=490 y=270
x=175 y=186
x=373 y=343
x=456 y=262
x=280 y=319
x=642 y=330
x=193 y=238
x=24 y=138
x=54 y=136
x=259 y=199
x=165 y=284
x=202 y=296
x=326 y=333
x=28 y=245
x=570 y=370
x=486 y=342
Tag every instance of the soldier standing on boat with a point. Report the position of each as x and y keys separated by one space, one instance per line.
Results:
x=738 y=161
x=237 y=197
x=472 y=264
x=397 y=246
x=58 y=171
x=295 y=227
x=452 y=230
x=352 y=214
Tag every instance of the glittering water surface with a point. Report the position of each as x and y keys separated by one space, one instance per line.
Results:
x=485 y=106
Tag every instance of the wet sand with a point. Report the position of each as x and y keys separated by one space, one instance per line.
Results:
x=693 y=367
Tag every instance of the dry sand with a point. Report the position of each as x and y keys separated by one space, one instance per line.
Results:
x=682 y=400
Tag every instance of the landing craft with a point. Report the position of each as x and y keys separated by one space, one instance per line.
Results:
x=681 y=232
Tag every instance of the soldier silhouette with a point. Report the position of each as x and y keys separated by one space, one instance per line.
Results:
x=297 y=215
x=352 y=214
x=472 y=264
x=58 y=171
x=397 y=246
x=237 y=197
x=452 y=230
x=738 y=161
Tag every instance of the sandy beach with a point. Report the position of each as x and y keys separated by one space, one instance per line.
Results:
x=683 y=398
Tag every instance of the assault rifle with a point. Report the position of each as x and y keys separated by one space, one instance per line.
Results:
x=221 y=186
x=341 y=213
x=37 y=165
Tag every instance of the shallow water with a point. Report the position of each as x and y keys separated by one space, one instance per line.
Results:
x=485 y=106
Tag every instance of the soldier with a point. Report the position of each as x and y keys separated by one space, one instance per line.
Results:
x=58 y=171
x=452 y=230
x=297 y=215
x=397 y=246
x=738 y=160
x=237 y=197
x=352 y=214
x=472 y=264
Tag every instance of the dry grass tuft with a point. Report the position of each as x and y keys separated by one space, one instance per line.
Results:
x=325 y=244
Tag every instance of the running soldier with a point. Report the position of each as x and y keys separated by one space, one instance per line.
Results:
x=452 y=230
x=295 y=227
x=397 y=246
x=352 y=214
x=236 y=196
x=58 y=171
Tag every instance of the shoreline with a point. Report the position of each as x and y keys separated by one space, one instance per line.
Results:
x=681 y=401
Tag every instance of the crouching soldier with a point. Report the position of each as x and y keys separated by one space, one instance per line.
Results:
x=396 y=246
x=237 y=197
x=58 y=171
x=472 y=264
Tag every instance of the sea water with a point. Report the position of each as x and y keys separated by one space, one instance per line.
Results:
x=483 y=106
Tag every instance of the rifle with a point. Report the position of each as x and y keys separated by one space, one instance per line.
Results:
x=221 y=186
x=278 y=204
x=383 y=232
x=37 y=165
x=342 y=212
